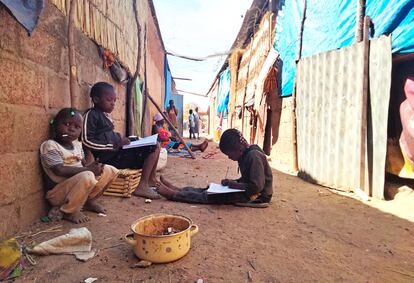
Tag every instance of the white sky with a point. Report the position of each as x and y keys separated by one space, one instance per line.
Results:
x=198 y=28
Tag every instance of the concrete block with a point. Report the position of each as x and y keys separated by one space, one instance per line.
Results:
x=21 y=175
x=6 y=128
x=27 y=165
x=21 y=83
x=58 y=91
x=53 y=22
x=10 y=223
x=41 y=48
x=32 y=207
x=84 y=101
x=30 y=129
x=8 y=32
x=87 y=48
x=7 y=192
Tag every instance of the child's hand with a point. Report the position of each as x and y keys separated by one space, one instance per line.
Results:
x=225 y=182
x=125 y=141
x=96 y=168
x=234 y=185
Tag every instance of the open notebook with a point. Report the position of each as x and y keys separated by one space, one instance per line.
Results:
x=150 y=140
x=214 y=188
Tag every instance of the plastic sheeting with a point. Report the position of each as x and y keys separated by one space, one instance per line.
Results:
x=26 y=12
x=168 y=84
x=224 y=92
x=331 y=24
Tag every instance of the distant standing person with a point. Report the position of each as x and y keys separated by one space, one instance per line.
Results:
x=196 y=123
x=172 y=114
x=191 y=123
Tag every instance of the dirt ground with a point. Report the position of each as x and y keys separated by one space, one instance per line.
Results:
x=308 y=234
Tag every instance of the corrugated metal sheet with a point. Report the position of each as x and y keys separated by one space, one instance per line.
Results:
x=329 y=96
x=380 y=64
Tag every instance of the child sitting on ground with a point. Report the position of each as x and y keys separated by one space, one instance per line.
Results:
x=168 y=141
x=99 y=136
x=72 y=181
x=256 y=177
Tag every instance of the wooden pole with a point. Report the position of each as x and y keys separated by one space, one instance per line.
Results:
x=144 y=88
x=295 y=132
x=302 y=24
x=363 y=183
x=171 y=125
x=359 y=33
x=73 y=76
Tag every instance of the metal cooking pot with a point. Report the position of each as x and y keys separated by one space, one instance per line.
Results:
x=161 y=238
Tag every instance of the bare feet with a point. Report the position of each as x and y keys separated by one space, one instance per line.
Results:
x=154 y=183
x=168 y=184
x=165 y=191
x=146 y=193
x=92 y=205
x=204 y=145
x=76 y=217
x=55 y=214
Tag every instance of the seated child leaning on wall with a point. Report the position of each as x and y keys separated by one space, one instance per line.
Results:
x=256 y=177
x=73 y=180
x=99 y=136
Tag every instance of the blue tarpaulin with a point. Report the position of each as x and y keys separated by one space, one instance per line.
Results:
x=331 y=24
x=168 y=84
x=224 y=92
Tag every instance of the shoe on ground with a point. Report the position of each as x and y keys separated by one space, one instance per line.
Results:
x=253 y=204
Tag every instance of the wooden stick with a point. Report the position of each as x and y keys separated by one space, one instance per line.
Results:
x=56 y=228
x=359 y=33
x=72 y=62
x=364 y=108
x=302 y=24
x=171 y=125
x=144 y=89
x=295 y=130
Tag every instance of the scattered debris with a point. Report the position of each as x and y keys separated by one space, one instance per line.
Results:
x=113 y=246
x=45 y=219
x=142 y=264
x=11 y=260
x=252 y=264
x=56 y=228
x=148 y=200
x=90 y=280
x=85 y=256
x=249 y=276
x=101 y=215
x=77 y=242
x=170 y=231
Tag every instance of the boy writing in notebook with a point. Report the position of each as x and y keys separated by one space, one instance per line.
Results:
x=255 y=181
x=99 y=136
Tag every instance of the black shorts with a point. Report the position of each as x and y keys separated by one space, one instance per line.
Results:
x=131 y=158
x=199 y=195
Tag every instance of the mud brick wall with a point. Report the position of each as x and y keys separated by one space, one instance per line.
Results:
x=155 y=60
x=34 y=85
x=283 y=149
